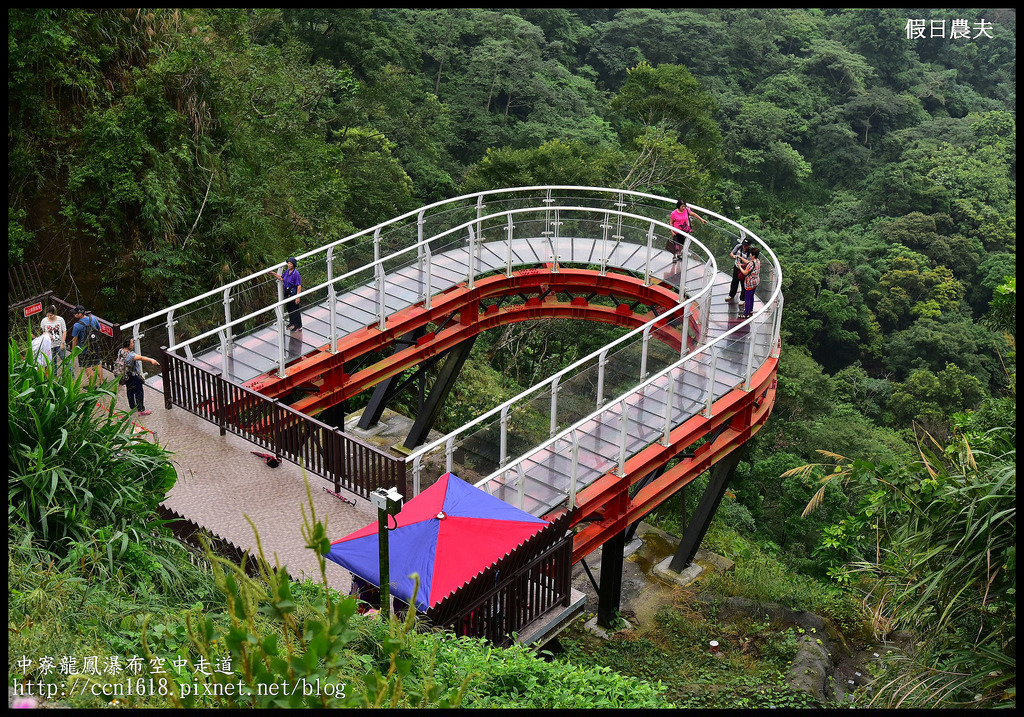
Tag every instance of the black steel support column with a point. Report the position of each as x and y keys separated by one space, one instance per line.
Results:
x=443 y=384
x=386 y=390
x=721 y=474
x=610 y=595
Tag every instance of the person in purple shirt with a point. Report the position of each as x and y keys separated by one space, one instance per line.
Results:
x=292 y=287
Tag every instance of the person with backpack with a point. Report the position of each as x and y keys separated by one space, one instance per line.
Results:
x=680 y=220
x=85 y=335
x=751 y=272
x=128 y=367
x=741 y=254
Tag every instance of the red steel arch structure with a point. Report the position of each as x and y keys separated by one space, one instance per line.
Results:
x=604 y=440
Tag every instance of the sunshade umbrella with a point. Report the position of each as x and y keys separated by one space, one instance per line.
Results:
x=447 y=534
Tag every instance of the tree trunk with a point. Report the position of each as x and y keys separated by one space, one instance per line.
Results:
x=490 y=92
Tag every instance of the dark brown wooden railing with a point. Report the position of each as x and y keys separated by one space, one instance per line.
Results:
x=289 y=434
x=515 y=590
x=23 y=284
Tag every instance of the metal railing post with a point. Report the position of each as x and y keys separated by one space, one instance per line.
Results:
x=751 y=342
x=221 y=403
x=332 y=303
x=170 y=328
x=168 y=378
x=227 y=321
x=623 y=433
x=279 y=311
x=684 y=263
x=705 y=319
x=647 y=262
x=643 y=352
x=416 y=466
x=428 y=290
x=449 y=448
x=137 y=335
x=479 y=215
x=471 y=272
x=776 y=349
x=605 y=228
x=553 y=242
x=669 y=401
x=223 y=352
x=554 y=405
x=574 y=471
x=601 y=361
x=503 y=438
x=508 y=261
x=381 y=307
x=711 y=383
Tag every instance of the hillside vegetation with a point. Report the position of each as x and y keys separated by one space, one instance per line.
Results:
x=156 y=153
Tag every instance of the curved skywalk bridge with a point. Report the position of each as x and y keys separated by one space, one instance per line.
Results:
x=687 y=351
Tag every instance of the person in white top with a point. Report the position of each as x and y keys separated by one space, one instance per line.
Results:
x=41 y=349
x=55 y=326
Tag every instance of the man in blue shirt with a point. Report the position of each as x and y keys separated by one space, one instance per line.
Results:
x=85 y=335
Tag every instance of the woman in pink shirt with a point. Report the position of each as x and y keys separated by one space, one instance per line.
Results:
x=680 y=220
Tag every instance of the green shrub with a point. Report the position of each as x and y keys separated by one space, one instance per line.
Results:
x=74 y=464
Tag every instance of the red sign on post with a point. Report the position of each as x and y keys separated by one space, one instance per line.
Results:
x=106 y=330
x=36 y=308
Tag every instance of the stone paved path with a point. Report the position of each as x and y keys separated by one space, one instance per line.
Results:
x=220 y=483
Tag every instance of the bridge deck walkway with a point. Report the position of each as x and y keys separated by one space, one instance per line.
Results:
x=221 y=483
x=255 y=353
x=547 y=471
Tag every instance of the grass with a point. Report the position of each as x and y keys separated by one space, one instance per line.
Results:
x=751 y=668
x=748 y=672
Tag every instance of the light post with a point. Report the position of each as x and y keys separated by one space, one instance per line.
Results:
x=387 y=502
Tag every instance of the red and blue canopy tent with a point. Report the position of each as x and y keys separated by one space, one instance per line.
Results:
x=447 y=534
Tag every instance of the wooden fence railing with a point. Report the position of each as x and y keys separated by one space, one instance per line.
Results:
x=513 y=591
x=321 y=449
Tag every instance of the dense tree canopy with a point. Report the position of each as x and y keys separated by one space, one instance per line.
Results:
x=156 y=153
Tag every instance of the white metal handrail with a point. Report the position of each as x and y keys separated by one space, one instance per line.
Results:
x=608 y=203
x=375 y=231
x=378 y=264
x=768 y=315
x=224 y=295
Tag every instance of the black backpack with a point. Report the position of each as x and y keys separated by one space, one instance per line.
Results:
x=89 y=342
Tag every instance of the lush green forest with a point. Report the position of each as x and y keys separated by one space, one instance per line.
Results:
x=155 y=153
